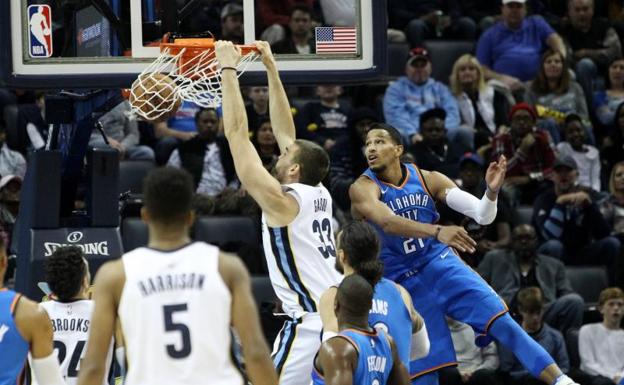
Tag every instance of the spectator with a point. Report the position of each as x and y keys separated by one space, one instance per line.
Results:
x=554 y=95
x=427 y=19
x=324 y=121
x=592 y=42
x=476 y=366
x=529 y=152
x=258 y=109
x=569 y=222
x=265 y=143
x=11 y=162
x=31 y=120
x=207 y=156
x=274 y=16
x=122 y=132
x=601 y=345
x=586 y=156
x=10 y=191
x=612 y=208
x=179 y=128
x=471 y=179
x=481 y=107
x=411 y=95
x=510 y=50
x=531 y=308
x=339 y=13
x=520 y=266
x=232 y=23
x=300 y=38
x=606 y=101
x=483 y=12
x=347 y=161
x=612 y=150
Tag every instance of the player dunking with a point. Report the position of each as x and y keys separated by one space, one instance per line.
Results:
x=24 y=327
x=358 y=253
x=297 y=213
x=176 y=300
x=399 y=199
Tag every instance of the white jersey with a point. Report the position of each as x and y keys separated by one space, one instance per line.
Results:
x=70 y=323
x=301 y=257
x=175 y=316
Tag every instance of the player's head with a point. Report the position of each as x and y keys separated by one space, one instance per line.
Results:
x=67 y=273
x=167 y=198
x=302 y=162
x=207 y=123
x=611 y=305
x=358 y=248
x=383 y=147
x=353 y=301
x=531 y=307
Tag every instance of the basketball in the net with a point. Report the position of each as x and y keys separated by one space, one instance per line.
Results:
x=154 y=96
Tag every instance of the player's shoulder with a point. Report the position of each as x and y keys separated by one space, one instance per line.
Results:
x=329 y=295
x=338 y=348
x=111 y=276
x=29 y=315
x=232 y=269
x=364 y=183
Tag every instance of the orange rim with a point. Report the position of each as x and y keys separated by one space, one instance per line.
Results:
x=196 y=46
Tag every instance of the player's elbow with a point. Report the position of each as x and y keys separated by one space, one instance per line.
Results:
x=485 y=220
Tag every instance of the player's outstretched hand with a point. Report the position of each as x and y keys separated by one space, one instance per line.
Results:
x=265 y=52
x=228 y=55
x=495 y=174
x=457 y=237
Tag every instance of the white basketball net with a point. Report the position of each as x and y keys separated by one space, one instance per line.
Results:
x=199 y=81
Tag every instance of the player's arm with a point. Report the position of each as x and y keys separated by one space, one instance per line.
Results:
x=265 y=189
x=338 y=360
x=246 y=321
x=328 y=316
x=279 y=107
x=398 y=373
x=108 y=285
x=420 y=338
x=34 y=325
x=365 y=204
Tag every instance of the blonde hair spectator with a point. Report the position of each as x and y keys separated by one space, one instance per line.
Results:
x=464 y=62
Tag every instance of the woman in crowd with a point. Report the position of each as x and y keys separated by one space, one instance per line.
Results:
x=612 y=208
x=607 y=101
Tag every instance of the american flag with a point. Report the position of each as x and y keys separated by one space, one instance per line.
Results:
x=336 y=40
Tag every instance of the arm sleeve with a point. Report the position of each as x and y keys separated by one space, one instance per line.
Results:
x=47 y=370
x=482 y=211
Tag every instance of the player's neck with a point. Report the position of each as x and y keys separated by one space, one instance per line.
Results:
x=168 y=239
x=354 y=324
x=394 y=174
x=348 y=270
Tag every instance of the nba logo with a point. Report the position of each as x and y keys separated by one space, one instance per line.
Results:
x=40 y=30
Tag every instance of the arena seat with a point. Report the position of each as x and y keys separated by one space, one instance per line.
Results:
x=224 y=230
x=571 y=340
x=133 y=234
x=262 y=289
x=444 y=53
x=132 y=173
x=397 y=56
x=588 y=282
x=522 y=215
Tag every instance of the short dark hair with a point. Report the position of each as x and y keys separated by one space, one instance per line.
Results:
x=395 y=135
x=313 y=161
x=360 y=242
x=530 y=299
x=168 y=194
x=65 y=272
x=355 y=296
x=202 y=110
x=302 y=7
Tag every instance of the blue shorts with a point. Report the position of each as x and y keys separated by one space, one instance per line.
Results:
x=447 y=286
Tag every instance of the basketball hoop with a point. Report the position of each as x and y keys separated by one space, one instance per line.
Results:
x=186 y=69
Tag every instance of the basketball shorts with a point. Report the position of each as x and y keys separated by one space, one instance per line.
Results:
x=447 y=286
x=295 y=347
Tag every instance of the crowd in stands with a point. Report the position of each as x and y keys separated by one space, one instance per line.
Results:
x=544 y=88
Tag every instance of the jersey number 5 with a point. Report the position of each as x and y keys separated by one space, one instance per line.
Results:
x=327 y=248
x=171 y=326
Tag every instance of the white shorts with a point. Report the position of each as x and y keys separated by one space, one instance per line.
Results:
x=295 y=347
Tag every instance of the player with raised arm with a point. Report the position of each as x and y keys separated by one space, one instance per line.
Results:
x=399 y=199
x=297 y=213
x=358 y=253
x=24 y=328
x=176 y=300
x=358 y=354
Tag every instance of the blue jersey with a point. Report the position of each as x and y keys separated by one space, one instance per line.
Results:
x=390 y=314
x=413 y=201
x=13 y=347
x=374 y=357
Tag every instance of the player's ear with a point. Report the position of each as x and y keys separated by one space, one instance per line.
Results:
x=294 y=169
x=399 y=149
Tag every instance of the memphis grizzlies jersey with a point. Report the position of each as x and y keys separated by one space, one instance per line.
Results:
x=411 y=200
x=175 y=316
x=301 y=257
x=390 y=314
x=70 y=324
x=13 y=347
x=374 y=362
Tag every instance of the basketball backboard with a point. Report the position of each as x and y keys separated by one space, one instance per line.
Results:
x=107 y=43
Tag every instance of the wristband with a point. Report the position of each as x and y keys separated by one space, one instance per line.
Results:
x=228 y=68
x=438 y=228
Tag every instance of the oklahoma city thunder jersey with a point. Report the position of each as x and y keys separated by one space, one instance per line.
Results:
x=70 y=323
x=374 y=362
x=13 y=347
x=390 y=314
x=410 y=200
x=175 y=316
x=301 y=256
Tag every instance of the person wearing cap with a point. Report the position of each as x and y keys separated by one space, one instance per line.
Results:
x=510 y=50
x=299 y=38
x=586 y=156
x=570 y=224
x=416 y=92
x=232 y=23
x=530 y=153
